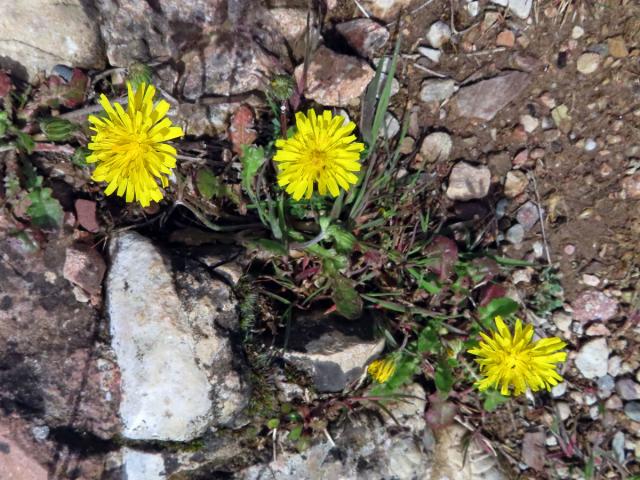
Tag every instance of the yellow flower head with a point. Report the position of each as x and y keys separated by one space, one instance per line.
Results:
x=322 y=151
x=129 y=149
x=508 y=360
x=381 y=370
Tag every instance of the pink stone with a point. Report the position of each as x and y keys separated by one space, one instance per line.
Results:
x=86 y=213
x=84 y=266
x=594 y=305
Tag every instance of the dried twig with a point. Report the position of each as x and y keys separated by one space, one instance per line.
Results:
x=532 y=177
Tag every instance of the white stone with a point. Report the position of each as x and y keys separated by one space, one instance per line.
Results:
x=559 y=390
x=529 y=123
x=473 y=8
x=176 y=367
x=439 y=34
x=437 y=90
x=564 y=410
x=590 y=145
x=577 y=32
x=39 y=34
x=142 y=466
x=165 y=392
x=588 y=62
x=520 y=8
x=432 y=54
x=467 y=182
x=592 y=358
x=390 y=128
x=436 y=147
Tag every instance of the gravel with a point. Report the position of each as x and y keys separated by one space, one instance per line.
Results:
x=591 y=360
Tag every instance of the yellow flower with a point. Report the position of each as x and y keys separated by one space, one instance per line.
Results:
x=381 y=370
x=508 y=360
x=128 y=146
x=322 y=151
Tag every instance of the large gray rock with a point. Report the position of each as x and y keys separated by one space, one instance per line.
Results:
x=36 y=35
x=170 y=332
x=334 y=79
x=484 y=99
x=333 y=352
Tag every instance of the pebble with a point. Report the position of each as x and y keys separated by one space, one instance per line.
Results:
x=436 y=146
x=588 y=62
x=521 y=159
x=593 y=305
x=515 y=235
x=632 y=410
x=564 y=410
x=468 y=182
x=606 y=385
x=437 y=90
x=432 y=54
x=506 y=38
x=520 y=8
x=590 y=145
x=617 y=444
x=631 y=186
x=559 y=390
x=364 y=35
x=391 y=126
x=439 y=33
x=473 y=8
x=562 y=320
x=617 y=47
x=590 y=280
x=597 y=330
x=614 y=365
x=594 y=412
x=407 y=145
x=528 y=215
x=538 y=249
x=515 y=183
x=590 y=399
x=628 y=389
x=577 y=32
x=529 y=123
x=592 y=358
x=613 y=403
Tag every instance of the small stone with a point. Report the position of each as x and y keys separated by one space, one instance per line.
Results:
x=538 y=249
x=142 y=465
x=617 y=47
x=437 y=90
x=606 y=385
x=628 y=389
x=594 y=412
x=290 y=22
x=364 y=35
x=588 y=63
x=86 y=215
x=334 y=79
x=468 y=182
x=520 y=8
x=521 y=159
x=590 y=145
x=436 y=147
x=84 y=267
x=473 y=8
x=439 y=33
x=631 y=186
x=391 y=126
x=551 y=441
x=632 y=410
x=617 y=445
x=40 y=433
x=561 y=118
x=597 y=330
x=529 y=123
x=432 y=54
x=528 y=215
x=593 y=305
x=407 y=145
x=614 y=365
x=590 y=399
x=559 y=390
x=590 y=280
x=506 y=38
x=515 y=183
x=484 y=99
x=577 y=32
x=386 y=9
x=515 y=235
x=564 y=410
x=592 y=358
x=613 y=403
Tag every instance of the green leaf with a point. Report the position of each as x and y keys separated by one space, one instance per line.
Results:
x=429 y=340
x=4 y=123
x=271 y=246
x=79 y=158
x=57 y=129
x=45 y=211
x=273 y=423
x=252 y=159
x=493 y=399
x=295 y=433
x=346 y=297
x=344 y=240
x=209 y=185
x=24 y=142
x=503 y=307
x=444 y=377
x=430 y=284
